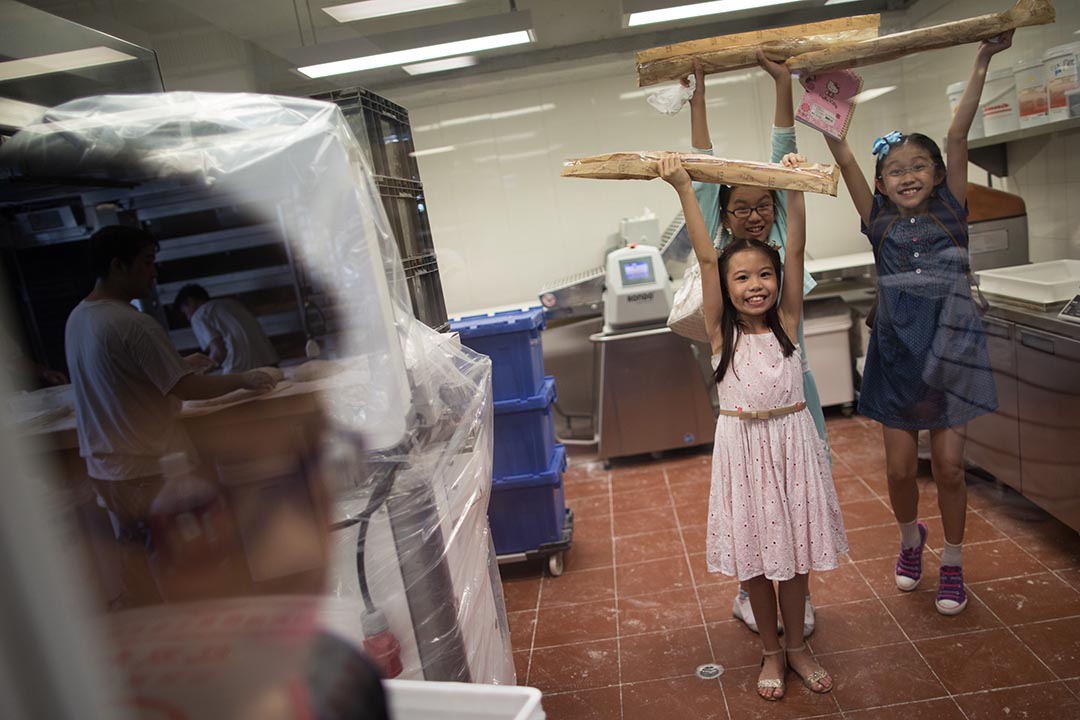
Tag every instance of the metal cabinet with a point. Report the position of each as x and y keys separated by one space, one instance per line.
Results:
x=994 y=440
x=1048 y=371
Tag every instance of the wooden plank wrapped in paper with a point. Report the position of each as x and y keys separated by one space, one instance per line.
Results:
x=889 y=47
x=732 y=52
x=814 y=177
x=831 y=49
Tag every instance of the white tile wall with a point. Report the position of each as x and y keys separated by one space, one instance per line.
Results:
x=505 y=223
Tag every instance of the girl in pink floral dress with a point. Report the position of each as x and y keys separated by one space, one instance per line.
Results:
x=773 y=512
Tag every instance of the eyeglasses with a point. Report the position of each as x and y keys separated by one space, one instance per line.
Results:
x=917 y=168
x=744 y=212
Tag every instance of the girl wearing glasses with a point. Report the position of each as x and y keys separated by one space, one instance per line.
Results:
x=927 y=366
x=773 y=511
x=751 y=213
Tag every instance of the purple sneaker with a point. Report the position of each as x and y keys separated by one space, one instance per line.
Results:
x=909 y=564
x=951 y=597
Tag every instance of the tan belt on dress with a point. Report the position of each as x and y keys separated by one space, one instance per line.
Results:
x=764 y=414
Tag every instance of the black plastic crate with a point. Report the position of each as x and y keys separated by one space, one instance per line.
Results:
x=425 y=292
x=381 y=127
x=406 y=209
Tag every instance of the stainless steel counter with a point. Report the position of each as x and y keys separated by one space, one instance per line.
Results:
x=1045 y=320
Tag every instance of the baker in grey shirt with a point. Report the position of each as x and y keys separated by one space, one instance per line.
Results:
x=226 y=330
x=128 y=383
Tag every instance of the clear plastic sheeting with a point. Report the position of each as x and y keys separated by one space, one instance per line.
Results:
x=399 y=469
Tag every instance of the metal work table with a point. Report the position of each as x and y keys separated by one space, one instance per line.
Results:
x=654 y=392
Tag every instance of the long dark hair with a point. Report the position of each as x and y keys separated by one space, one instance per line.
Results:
x=924 y=143
x=730 y=323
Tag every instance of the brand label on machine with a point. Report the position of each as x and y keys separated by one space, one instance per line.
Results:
x=640 y=297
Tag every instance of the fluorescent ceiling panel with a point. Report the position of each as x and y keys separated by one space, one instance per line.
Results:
x=350 y=12
x=61 y=62
x=431 y=52
x=435 y=66
x=868 y=95
x=682 y=12
x=838 y=2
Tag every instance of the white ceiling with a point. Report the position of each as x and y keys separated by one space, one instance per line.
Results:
x=255 y=45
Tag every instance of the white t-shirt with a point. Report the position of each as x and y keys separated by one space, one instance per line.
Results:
x=123 y=367
x=246 y=344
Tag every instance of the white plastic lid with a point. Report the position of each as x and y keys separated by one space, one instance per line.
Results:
x=1066 y=49
x=999 y=74
x=956 y=87
x=1028 y=63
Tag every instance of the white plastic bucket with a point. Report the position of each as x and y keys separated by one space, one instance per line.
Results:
x=998 y=103
x=955 y=92
x=1060 y=65
x=1032 y=100
x=1073 y=99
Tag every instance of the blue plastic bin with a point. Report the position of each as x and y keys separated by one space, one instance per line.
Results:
x=512 y=340
x=528 y=511
x=524 y=433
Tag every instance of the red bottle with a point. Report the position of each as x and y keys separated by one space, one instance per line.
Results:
x=381 y=646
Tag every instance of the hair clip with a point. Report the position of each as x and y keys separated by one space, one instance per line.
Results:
x=883 y=144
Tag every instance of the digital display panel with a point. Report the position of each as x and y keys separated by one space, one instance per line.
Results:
x=636 y=272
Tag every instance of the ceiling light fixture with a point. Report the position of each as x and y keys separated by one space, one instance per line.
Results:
x=61 y=62
x=868 y=95
x=838 y=2
x=430 y=52
x=435 y=66
x=717 y=7
x=350 y=12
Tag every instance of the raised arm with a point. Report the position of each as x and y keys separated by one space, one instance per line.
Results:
x=956 y=142
x=784 y=111
x=672 y=171
x=858 y=188
x=791 y=294
x=699 y=122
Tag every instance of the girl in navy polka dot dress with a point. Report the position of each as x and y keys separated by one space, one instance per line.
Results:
x=773 y=512
x=927 y=366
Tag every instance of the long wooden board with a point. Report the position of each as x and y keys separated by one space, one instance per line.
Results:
x=757 y=37
x=840 y=49
x=889 y=47
x=815 y=178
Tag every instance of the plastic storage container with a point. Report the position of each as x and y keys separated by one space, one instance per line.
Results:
x=955 y=92
x=1072 y=99
x=1031 y=98
x=1061 y=76
x=998 y=103
x=512 y=340
x=828 y=349
x=528 y=510
x=524 y=433
x=417 y=700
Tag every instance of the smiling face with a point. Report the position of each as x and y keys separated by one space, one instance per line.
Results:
x=751 y=281
x=907 y=176
x=758 y=224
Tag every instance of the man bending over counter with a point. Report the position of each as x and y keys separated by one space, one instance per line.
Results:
x=129 y=382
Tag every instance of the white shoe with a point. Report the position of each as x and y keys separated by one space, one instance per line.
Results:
x=741 y=610
x=808 y=618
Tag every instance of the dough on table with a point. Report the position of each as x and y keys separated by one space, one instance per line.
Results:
x=315 y=370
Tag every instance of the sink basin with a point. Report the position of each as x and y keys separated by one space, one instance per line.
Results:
x=1045 y=283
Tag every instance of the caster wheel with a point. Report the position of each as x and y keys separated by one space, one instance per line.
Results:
x=607 y=464
x=847 y=410
x=555 y=565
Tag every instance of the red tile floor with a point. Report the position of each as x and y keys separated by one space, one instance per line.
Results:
x=621 y=632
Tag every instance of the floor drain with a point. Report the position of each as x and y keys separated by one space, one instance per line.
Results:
x=709 y=671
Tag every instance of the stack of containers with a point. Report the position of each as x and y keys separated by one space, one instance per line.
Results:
x=527 y=509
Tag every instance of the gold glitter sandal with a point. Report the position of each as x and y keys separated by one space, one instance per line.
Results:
x=814 y=677
x=774 y=683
